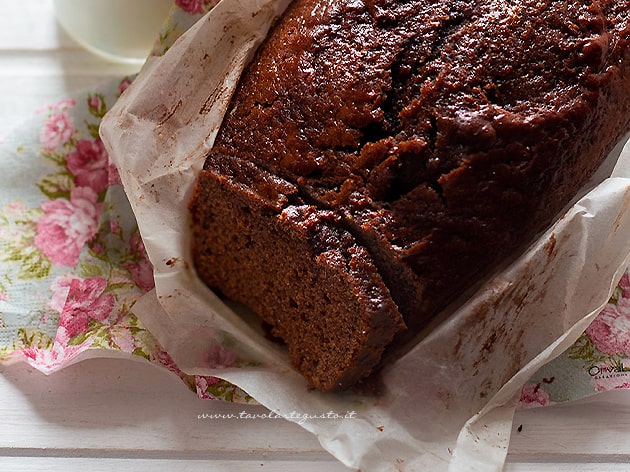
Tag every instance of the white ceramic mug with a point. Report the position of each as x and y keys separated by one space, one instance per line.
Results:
x=118 y=30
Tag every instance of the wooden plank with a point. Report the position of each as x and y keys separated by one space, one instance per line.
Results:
x=595 y=428
x=163 y=465
x=126 y=405
x=132 y=409
x=566 y=467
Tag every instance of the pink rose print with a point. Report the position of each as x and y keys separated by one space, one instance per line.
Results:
x=67 y=225
x=141 y=273
x=219 y=356
x=113 y=178
x=611 y=386
x=191 y=6
x=97 y=248
x=164 y=359
x=86 y=299
x=140 y=267
x=605 y=377
x=123 y=337
x=96 y=104
x=533 y=395
x=16 y=208
x=195 y=6
x=57 y=130
x=201 y=385
x=60 y=288
x=124 y=85
x=50 y=360
x=114 y=227
x=89 y=164
x=610 y=331
x=64 y=104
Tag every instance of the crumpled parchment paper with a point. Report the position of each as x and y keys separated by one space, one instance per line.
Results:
x=447 y=404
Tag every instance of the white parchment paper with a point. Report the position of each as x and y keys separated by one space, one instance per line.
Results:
x=448 y=402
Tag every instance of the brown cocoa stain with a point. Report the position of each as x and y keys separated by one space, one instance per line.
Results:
x=486 y=388
x=183 y=264
x=166 y=115
x=478 y=335
x=490 y=337
x=622 y=212
x=155 y=193
x=551 y=246
x=172 y=261
x=207 y=105
x=446 y=397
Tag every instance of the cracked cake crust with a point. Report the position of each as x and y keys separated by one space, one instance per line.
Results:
x=438 y=136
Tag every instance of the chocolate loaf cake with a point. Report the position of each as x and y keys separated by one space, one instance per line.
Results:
x=378 y=156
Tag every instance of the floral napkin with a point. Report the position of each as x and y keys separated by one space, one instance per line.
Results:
x=598 y=361
x=73 y=264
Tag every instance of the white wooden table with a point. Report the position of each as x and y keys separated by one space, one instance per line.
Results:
x=117 y=414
